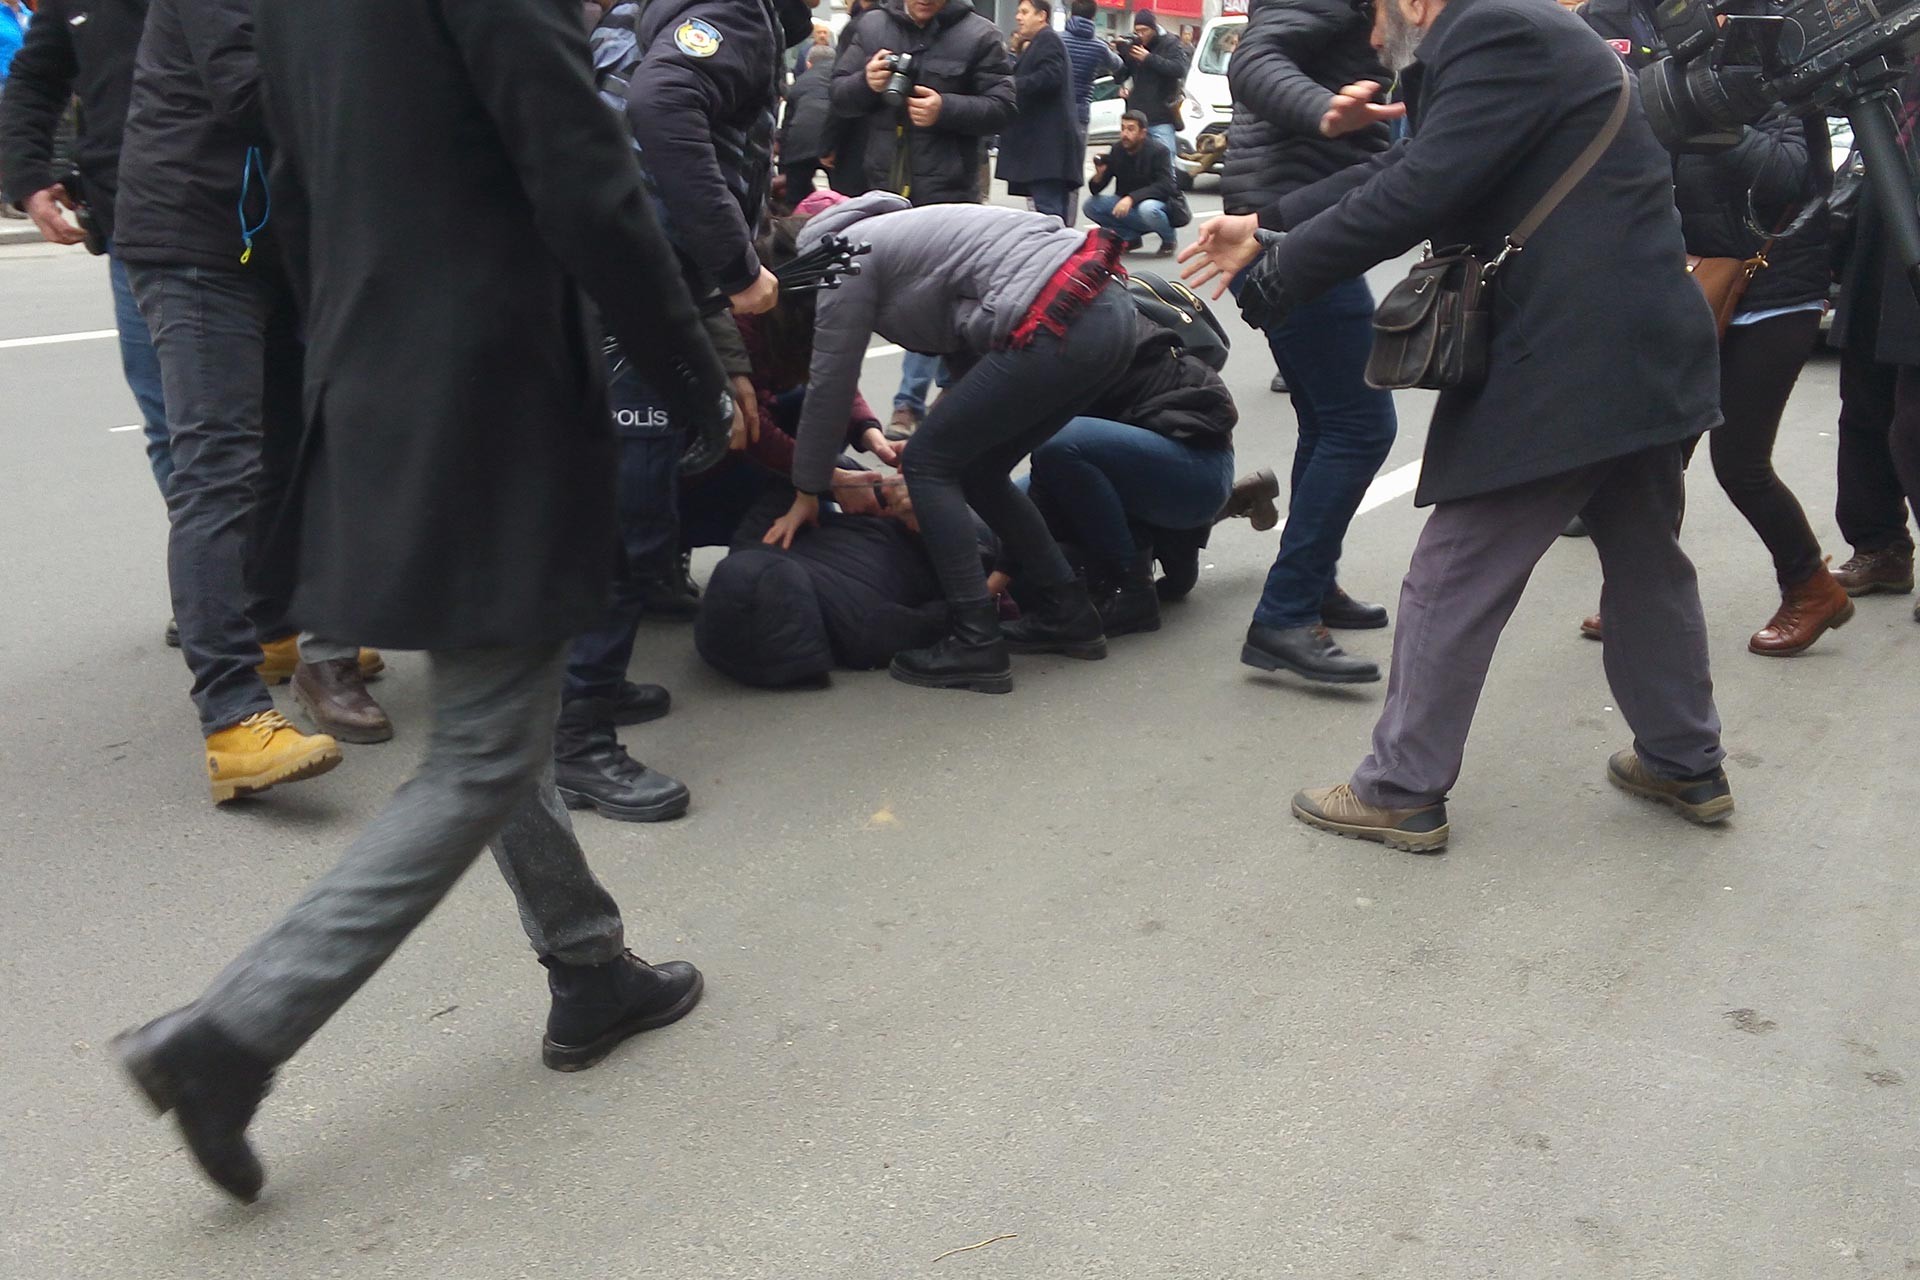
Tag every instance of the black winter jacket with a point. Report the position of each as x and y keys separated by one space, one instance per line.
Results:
x=1157 y=78
x=1767 y=180
x=1146 y=174
x=1170 y=393
x=1042 y=141
x=961 y=56
x=1291 y=58
x=75 y=48
x=196 y=137
x=806 y=129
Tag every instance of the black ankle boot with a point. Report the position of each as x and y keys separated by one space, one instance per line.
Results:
x=184 y=1065
x=1058 y=619
x=973 y=655
x=596 y=1006
x=1126 y=601
x=593 y=771
x=1178 y=551
x=639 y=703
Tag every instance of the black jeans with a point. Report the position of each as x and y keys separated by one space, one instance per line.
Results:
x=1005 y=407
x=230 y=362
x=1759 y=363
x=648 y=486
x=1879 y=466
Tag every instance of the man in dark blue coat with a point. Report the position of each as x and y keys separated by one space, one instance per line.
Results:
x=1040 y=152
x=1602 y=366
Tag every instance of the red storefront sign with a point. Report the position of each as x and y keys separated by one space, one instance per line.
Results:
x=1162 y=9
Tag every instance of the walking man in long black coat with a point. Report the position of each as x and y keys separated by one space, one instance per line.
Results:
x=454 y=494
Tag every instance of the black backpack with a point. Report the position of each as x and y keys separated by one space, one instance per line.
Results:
x=1181 y=311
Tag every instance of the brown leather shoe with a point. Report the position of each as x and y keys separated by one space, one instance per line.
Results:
x=902 y=424
x=1889 y=569
x=1253 y=496
x=1807 y=611
x=1339 y=810
x=335 y=697
x=1590 y=627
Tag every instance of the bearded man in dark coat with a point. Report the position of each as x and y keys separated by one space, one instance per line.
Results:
x=449 y=184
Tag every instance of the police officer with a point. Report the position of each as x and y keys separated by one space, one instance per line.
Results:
x=698 y=82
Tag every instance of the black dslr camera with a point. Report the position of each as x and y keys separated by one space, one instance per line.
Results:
x=1726 y=68
x=900 y=84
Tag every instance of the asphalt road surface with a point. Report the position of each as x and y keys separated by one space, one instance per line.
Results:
x=1054 y=969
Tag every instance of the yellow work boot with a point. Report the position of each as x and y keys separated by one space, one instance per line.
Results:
x=281 y=656
x=262 y=751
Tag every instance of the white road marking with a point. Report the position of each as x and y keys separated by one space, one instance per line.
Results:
x=134 y=427
x=888 y=350
x=1397 y=483
x=50 y=339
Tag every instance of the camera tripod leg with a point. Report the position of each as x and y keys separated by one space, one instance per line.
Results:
x=1889 y=176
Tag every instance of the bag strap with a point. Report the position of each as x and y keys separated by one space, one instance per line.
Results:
x=1579 y=169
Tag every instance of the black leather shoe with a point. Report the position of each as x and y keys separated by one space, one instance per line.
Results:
x=973 y=655
x=596 y=1006
x=593 y=771
x=172 y=634
x=212 y=1086
x=1341 y=612
x=639 y=703
x=1308 y=652
x=1178 y=551
x=672 y=593
x=1058 y=619
x=1126 y=601
x=1279 y=384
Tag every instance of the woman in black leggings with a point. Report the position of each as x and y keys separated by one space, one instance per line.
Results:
x=1767 y=181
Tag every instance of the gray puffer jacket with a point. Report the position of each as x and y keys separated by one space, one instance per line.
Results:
x=942 y=279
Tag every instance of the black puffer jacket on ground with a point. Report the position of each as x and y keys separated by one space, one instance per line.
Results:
x=851 y=593
x=1291 y=58
x=1767 y=180
x=959 y=55
x=1170 y=393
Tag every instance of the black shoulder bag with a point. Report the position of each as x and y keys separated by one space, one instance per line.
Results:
x=1432 y=330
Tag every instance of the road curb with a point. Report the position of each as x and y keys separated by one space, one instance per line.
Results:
x=23 y=233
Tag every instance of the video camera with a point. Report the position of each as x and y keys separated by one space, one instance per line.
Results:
x=1731 y=67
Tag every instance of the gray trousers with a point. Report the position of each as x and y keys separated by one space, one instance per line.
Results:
x=1473 y=561
x=486 y=778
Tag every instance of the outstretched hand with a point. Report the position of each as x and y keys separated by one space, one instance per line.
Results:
x=804 y=511
x=1225 y=247
x=1354 y=109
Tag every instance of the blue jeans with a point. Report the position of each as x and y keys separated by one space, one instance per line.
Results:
x=142 y=369
x=1346 y=431
x=648 y=487
x=230 y=362
x=1169 y=137
x=1097 y=478
x=1146 y=216
x=917 y=375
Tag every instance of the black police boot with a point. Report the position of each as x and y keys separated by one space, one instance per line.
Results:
x=1059 y=619
x=1308 y=652
x=596 y=1006
x=639 y=703
x=593 y=771
x=183 y=1064
x=972 y=656
x=1127 y=601
x=672 y=593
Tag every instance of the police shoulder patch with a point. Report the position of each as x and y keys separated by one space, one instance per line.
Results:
x=697 y=38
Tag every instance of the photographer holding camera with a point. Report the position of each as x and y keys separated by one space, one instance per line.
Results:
x=925 y=83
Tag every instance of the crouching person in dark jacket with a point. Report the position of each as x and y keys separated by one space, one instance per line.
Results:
x=1601 y=368
x=1149 y=463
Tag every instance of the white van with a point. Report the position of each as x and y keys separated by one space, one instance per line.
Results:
x=1208 y=106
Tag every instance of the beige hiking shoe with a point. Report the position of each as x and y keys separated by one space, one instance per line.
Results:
x=1703 y=800
x=1339 y=810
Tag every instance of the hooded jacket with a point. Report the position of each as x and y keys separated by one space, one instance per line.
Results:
x=1169 y=392
x=944 y=280
x=1291 y=58
x=1090 y=58
x=959 y=55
